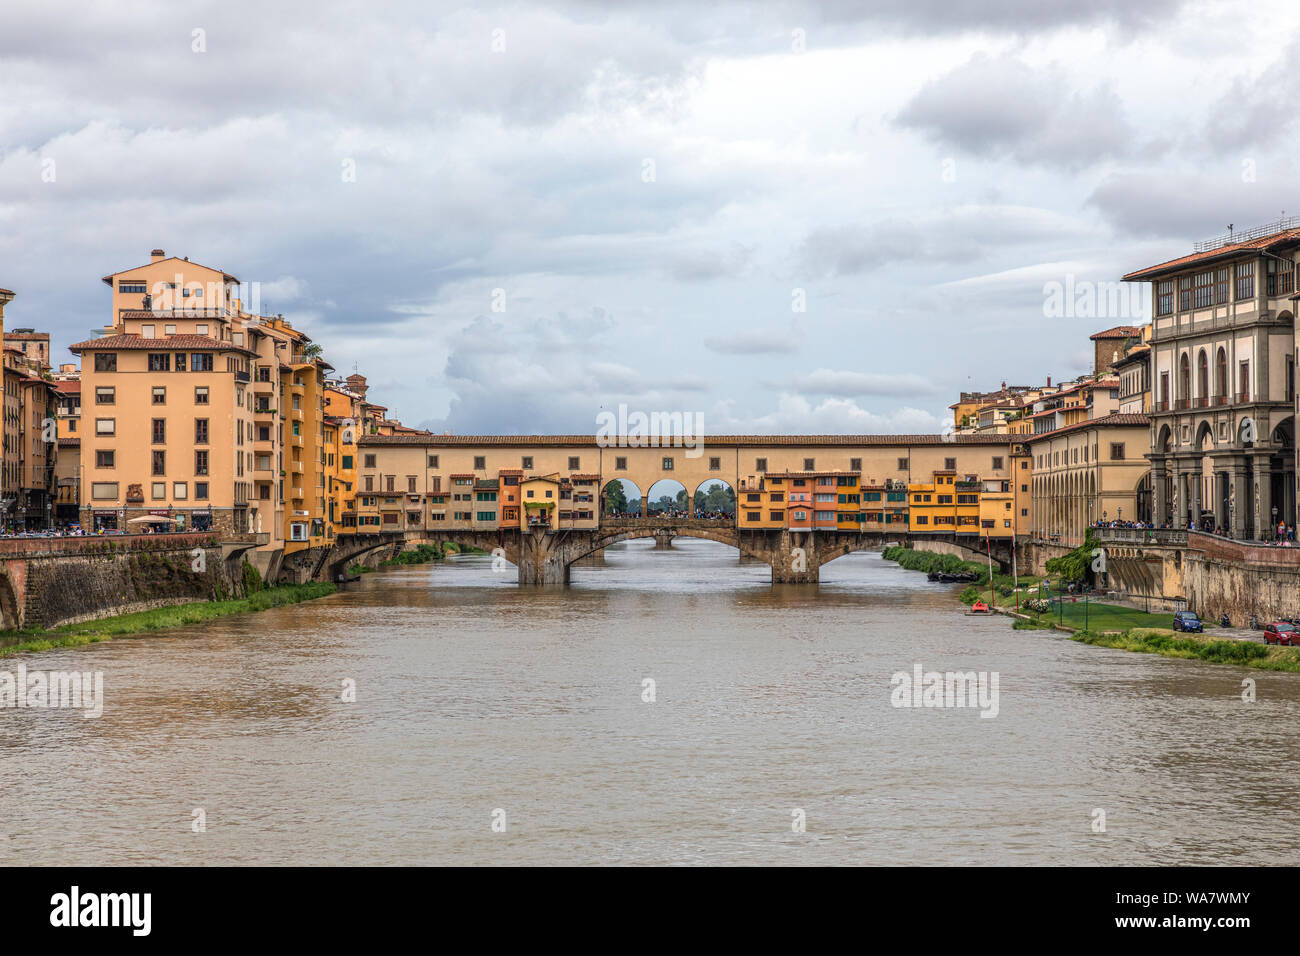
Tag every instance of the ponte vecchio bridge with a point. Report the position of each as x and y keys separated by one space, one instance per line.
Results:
x=487 y=491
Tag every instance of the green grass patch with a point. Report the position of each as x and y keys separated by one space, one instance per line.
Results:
x=177 y=615
x=1096 y=616
x=1030 y=624
x=1215 y=650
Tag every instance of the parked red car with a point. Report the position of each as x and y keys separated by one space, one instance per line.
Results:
x=1280 y=632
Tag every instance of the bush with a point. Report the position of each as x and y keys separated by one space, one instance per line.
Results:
x=421 y=554
x=252 y=579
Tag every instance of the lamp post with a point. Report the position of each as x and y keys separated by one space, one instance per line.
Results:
x=1274 y=525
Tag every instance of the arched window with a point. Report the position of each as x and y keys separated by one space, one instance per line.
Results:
x=1202 y=378
x=1184 y=379
x=1221 y=376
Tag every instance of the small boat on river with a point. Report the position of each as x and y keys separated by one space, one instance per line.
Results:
x=945 y=577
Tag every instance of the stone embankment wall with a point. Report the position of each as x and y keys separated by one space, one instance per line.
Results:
x=1210 y=575
x=1032 y=556
x=1225 y=577
x=48 y=582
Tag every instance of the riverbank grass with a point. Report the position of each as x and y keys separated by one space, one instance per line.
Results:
x=177 y=615
x=1199 y=647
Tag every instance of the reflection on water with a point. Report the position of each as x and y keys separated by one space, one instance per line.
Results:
x=473 y=694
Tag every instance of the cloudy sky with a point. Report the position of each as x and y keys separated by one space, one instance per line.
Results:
x=784 y=216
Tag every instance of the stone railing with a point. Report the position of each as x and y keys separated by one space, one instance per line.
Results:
x=1167 y=537
x=1217 y=548
x=96 y=543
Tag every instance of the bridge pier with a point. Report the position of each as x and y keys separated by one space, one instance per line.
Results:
x=544 y=559
x=663 y=541
x=794 y=557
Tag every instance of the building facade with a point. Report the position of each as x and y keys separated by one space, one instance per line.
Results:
x=1222 y=369
x=1092 y=471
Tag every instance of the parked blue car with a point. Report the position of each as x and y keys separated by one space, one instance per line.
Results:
x=1189 y=622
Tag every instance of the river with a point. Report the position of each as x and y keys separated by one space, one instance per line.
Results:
x=474 y=696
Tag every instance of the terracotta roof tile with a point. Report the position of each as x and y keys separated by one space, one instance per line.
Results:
x=1209 y=255
x=1106 y=420
x=1118 y=332
x=161 y=344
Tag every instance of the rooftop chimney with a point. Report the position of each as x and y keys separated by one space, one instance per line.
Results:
x=157 y=255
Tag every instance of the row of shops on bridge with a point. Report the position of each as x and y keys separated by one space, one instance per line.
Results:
x=950 y=503
x=946 y=504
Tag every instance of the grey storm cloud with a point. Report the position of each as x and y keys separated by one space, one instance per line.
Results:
x=1185 y=206
x=383 y=171
x=992 y=106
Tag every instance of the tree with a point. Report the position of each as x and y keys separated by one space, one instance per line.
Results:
x=1077 y=565
x=615 y=497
